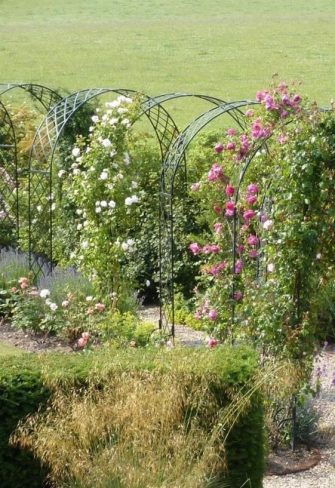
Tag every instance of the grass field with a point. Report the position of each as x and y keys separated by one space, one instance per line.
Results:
x=6 y=350
x=227 y=48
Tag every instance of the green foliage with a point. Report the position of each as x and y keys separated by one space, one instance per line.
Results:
x=143 y=333
x=118 y=327
x=21 y=393
x=221 y=372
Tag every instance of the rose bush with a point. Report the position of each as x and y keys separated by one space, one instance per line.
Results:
x=267 y=204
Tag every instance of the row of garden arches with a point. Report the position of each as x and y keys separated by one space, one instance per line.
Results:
x=59 y=112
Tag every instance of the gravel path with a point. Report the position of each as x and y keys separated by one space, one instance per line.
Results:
x=322 y=475
x=183 y=335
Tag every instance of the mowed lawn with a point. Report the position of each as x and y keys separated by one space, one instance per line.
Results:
x=7 y=350
x=227 y=48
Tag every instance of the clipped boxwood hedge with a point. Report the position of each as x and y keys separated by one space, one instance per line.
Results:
x=27 y=382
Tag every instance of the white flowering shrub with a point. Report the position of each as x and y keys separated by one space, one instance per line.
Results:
x=102 y=186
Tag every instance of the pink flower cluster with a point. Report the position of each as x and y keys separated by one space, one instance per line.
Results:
x=206 y=312
x=216 y=173
x=260 y=131
x=83 y=340
x=279 y=100
x=195 y=248
x=24 y=283
x=240 y=146
x=216 y=269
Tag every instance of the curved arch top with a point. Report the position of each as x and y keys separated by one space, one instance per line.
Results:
x=45 y=95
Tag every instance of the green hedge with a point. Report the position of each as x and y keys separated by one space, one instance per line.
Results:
x=26 y=382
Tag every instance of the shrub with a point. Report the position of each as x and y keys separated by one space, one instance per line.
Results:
x=192 y=416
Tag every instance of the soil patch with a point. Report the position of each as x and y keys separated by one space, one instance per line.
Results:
x=31 y=342
x=286 y=461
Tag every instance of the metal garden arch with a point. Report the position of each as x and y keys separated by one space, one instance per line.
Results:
x=10 y=172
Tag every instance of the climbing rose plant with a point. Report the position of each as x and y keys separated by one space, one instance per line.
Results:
x=267 y=197
x=102 y=185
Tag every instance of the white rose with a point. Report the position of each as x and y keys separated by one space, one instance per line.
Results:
x=75 y=152
x=267 y=225
x=124 y=246
x=271 y=267
x=128 y=201
x=95 y=119
x=44 y=293
x=103 y=176
x=112 y=204
x=106 y=143
x=126 y=159
x=53 y=306
x=61 y=173
x=103 y=203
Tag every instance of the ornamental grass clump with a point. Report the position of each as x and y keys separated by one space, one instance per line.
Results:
x=164 y=421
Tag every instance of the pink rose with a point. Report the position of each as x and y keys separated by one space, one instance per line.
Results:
x=217 y=209
x=250 y=113
x=253 y=189
x=286 y=99
x=218 y=228
x=231 y=132
x=230 y=190
x=230 y=209
x=253 y=253
x=195 y=248
x=217 y=268
x=85 y=336
x=211 y=248
x=249 y=214
x=212 y=342
x=296 y=99
x=81 y=343
x=215 y=173
x=100 y=307
x=238 y=266
x=213 y=314
x=251 y=199
x=238 y=295
x=270 y=103
x=230 y=146
x=260 y=95
x=23 y=279
x=195 y=187
x=218 y=148
x=252 y=240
